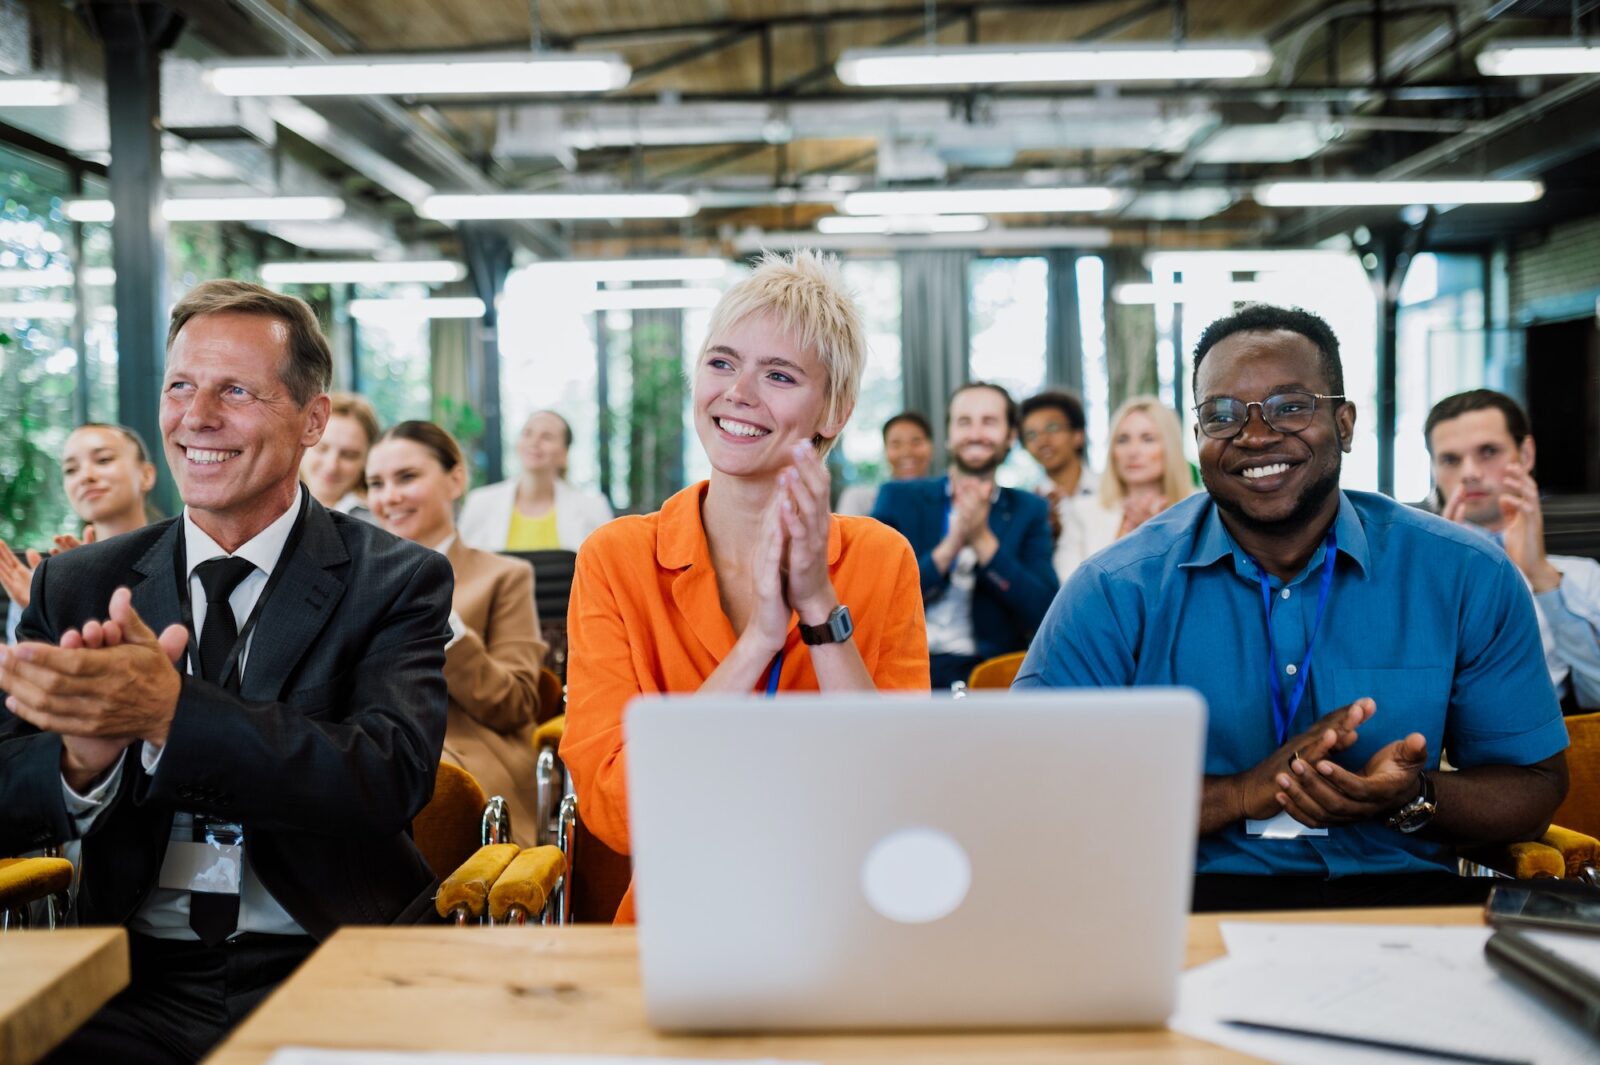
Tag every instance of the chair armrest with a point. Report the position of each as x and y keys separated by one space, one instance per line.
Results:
x=464 y=894
x=1578 y=851
x=549 y=734
x=527 y=884
x=25 y=880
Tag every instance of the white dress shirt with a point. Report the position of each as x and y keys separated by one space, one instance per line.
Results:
x=949 y=617
x=1569 y=624
x=1083 y=525
x=165 y=912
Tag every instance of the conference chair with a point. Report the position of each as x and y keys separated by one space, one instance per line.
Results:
x=552 y=588
x=996 y=672
x=24 y=882
x=552 y=697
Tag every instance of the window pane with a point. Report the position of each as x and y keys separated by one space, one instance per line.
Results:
x=1008 y=301
x=392 y=357
x=875 y=284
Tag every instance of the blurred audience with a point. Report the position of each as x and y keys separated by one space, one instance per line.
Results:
x=907 y=452
x=745 y=582
x=335 y=466
x=540 y=510
x=107 y=473
x=415 y=473
x=1147 y=472
x=983 y=551
x=1483 y=457
x=1053 y=431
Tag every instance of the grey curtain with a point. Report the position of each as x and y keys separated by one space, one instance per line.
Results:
x=1063 y=352
x=933 y=331
x=1130 y=330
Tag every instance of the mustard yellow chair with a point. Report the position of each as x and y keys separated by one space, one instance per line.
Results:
x=997 y=672
x=25 y=881
x=1570 y=848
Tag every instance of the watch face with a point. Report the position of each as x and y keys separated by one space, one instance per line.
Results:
x=841 y=624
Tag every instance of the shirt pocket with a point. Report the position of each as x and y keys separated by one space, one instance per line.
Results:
x=1409 y=699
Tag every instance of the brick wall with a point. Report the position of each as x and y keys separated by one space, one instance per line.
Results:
x=1559 y=277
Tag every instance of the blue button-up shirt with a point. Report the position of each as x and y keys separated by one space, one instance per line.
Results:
x=1429 y=620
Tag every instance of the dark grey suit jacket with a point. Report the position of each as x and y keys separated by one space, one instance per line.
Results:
x=324 y=755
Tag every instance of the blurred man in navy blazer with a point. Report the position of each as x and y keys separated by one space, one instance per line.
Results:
x=984 y=551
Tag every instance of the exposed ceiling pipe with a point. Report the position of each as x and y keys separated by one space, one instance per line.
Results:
x=426 y=140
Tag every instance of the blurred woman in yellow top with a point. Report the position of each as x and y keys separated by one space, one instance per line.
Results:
x=415 y=473
x=539 y=510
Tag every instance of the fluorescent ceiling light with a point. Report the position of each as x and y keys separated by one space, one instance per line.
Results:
x=224 y=209
x=1171 y=205
x=596 y=270
x=48 y=277
x=1393 y=193
x=426 y=272
x=36 y=92
x=1024 y=200
x=1522 y=58
x=43 y=310
x=666 y=135
x=372 y=310
x=651 y=299
x=1032 y=238
x=457 y=207
x=1267 y=142
x=483 y=73
x=936 y=223
x=999 y=64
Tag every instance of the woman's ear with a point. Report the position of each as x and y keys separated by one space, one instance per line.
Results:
x=147 y=477
x=457 y=478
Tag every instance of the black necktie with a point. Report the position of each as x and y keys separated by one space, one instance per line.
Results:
x=214 y=915
x=219 y=577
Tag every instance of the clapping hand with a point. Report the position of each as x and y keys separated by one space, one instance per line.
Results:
x=1523 y=528
x=803 y=504
x=16 y=576
x=1136 y=510
x=1261 y=788
x=1319 y=793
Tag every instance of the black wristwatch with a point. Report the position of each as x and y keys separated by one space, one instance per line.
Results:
x=1416 y=813
x=837 y=629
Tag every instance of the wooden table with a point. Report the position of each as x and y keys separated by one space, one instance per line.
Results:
x=576 y=990
x=51 y=982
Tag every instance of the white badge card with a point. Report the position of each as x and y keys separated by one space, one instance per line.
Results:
x=214 y=863
x=1280 y=827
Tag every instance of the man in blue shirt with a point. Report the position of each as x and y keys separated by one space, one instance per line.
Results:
x=984 y=551
x=1342 y=642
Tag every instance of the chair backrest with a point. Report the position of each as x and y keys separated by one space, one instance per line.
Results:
x=1572 y=525
x=1581 y=810
x=552 y=589
x=997 y=672
x=552 y=697
x=449 y=829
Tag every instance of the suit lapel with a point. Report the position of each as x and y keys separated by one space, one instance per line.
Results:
x=155 y=595
x=298 y=609
x=1000 y=516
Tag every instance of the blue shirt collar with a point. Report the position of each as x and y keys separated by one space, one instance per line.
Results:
x=1212 y=542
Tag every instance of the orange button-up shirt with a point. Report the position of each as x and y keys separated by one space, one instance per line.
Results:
x=646 y=616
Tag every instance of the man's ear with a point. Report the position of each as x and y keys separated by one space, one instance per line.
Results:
x=318 y=412
x=1526 y=453
x=1344 y=422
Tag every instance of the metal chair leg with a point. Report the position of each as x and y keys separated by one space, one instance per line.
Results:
x=566 y=839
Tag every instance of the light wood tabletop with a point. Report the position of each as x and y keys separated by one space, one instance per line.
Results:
x=576 y=990
x=51 y=982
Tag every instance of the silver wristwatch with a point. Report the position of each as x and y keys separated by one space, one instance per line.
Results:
x=1416 y=813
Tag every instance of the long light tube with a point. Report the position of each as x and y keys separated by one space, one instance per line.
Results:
x=458 y=207
x=426 y=272
x=224 y=209
x=898 y=224
x=1516 y=59
x=379 y=310
x=55 y=277
x=1393 y=193
x=704 y=269
x=36 y=92
x=1024 y=200
x=494 y=73
x=1011 y=63
x=43 y=310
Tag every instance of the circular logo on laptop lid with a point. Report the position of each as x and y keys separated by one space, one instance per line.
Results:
x=916 y=875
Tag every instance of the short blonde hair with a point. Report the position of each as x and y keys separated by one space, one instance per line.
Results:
x=807 y=293
x=1176 y=481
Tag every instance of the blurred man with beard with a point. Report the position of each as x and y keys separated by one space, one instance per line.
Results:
x=984 y=551
x=1341 y=640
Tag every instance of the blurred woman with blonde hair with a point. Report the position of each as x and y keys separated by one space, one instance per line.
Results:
x=1145 y=474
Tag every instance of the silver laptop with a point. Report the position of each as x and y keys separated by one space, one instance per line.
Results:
x=863 y=861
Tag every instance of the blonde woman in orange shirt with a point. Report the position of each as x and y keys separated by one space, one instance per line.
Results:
x=745 y=582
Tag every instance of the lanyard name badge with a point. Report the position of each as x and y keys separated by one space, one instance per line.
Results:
x=1283 y=826
x=230 y=665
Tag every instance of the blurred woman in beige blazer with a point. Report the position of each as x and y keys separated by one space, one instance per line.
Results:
x=415 y=473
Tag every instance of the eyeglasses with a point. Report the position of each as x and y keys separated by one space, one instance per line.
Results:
x=1224 y=418
x=1050 y=429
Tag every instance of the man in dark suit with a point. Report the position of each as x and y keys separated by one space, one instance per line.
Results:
x=243 y=783
x=984 y=551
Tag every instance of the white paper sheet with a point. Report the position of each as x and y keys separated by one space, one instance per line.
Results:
x=1428 y=987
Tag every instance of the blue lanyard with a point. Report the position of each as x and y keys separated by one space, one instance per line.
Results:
x=1283 y=716
x=772 y=674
